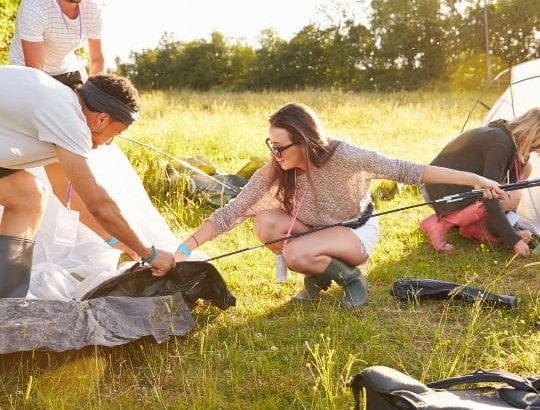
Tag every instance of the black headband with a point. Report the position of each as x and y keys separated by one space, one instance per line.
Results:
x=106 y=103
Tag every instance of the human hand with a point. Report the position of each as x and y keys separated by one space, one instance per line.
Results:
x=162 y=263
x=526 y=236
x=522 y=248
x=492 y=189
x=510 y=200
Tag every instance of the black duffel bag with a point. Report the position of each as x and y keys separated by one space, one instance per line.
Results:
x=389 y=389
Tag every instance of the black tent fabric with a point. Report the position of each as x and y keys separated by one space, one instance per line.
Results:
x=197 y=279
x=405 y=289
x=129 y=306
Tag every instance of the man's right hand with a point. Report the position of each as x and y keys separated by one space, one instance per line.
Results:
x=162 y=263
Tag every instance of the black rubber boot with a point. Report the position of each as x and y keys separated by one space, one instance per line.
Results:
x=351 y=279
x=312 y=287
x=15 y=266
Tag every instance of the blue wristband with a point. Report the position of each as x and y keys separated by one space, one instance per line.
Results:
x=184 y=249
x=111 y=242
x=152 y=256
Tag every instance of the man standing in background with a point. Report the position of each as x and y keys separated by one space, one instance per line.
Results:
x=49 y=34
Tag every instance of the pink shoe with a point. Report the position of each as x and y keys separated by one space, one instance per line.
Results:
x=477 y=230
x=436 y=229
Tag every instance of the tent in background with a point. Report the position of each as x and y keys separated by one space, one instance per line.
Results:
x=520 y=95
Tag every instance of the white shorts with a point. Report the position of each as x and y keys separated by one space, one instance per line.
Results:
x=368 y=234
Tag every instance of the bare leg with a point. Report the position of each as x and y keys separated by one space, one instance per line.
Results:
x=322 y=256
x=311 y=253
x=24 y=198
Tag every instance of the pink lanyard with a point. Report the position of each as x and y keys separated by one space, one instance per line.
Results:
x=518 y=174
x=296 y=209
x=68 y=195
x=65 y=22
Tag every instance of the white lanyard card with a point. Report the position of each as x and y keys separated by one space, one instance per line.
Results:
x=66 y=227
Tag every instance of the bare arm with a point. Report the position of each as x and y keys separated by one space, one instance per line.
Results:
x=203 y=234
x=441 y=175
x=59 y=183
x=105 y=211
x=97 y=61
x=34 y=53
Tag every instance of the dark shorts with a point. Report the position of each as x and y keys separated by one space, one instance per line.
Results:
x=4 y=172
x=71 y=79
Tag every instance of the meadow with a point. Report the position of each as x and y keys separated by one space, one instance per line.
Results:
x=268 y=352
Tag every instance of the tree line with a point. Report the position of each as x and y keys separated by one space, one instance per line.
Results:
x=404 y=45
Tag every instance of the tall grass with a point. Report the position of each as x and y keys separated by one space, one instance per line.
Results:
x=267 y=352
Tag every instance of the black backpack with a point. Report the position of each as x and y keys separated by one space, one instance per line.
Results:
x=389 y=389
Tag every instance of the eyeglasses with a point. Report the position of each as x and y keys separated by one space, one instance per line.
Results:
x=277 y=151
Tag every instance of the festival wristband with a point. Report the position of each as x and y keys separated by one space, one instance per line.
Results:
x=111 y=242
x=152 y=256
x=184 y=249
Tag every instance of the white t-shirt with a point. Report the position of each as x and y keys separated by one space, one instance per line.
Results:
x=44 y=21
x=36 y=113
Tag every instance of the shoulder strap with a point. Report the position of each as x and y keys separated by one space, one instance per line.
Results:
x=354 y=384
x=481 y=375
x=535 y=381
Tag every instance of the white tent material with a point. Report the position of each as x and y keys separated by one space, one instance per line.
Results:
x=529 y=206
x=91 y=256
x=521 y=95
x=56 y=268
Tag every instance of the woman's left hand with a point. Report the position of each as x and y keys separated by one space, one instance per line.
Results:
x=522 y=248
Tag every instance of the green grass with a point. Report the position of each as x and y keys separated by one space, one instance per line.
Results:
x=268 y=353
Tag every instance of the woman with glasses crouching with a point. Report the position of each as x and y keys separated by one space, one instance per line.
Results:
x=313 y=181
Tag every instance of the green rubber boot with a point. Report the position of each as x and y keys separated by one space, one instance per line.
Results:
x=15 y=266
x=312 y=287
x=351 y=280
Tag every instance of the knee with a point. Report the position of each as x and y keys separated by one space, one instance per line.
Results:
x=31 y=196
x=297 y=259
x=266 y=225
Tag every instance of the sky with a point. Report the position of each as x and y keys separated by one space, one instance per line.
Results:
x=132 y=25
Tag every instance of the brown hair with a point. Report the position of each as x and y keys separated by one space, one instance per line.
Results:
x=305 y=129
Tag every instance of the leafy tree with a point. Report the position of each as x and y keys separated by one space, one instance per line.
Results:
x=407 y=35
x=409 y=44
x=351 y=56
x=8 y=11
x=511 y=31
x=513 y=26
x=202 y=65
x=242 y=58
x=268 y=65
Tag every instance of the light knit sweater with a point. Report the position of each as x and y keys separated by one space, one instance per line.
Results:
x=339 y=187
